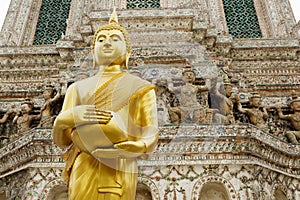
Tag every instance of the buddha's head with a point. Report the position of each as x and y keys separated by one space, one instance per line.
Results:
x=111 y=44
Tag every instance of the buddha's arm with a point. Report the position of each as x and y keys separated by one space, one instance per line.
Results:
x=64 y=122
x=144 y=114
x=74 y=115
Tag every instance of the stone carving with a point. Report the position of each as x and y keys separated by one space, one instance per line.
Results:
x=7 y=114
x=5 y=128
x=47 y=110
x=296 y=30
x=222 y=103
x=292 y=136
x=167 y=103
x=24 y=118
x=255 y=114
x=162 y=102
x=190 y=110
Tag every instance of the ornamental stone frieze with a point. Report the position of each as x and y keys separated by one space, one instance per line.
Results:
x=266 y=43
x=264 y=54
x=196 y=144
x=29 y=75
x=238 y=161
x=28 y=50
x=230 y=181
x=272 y=77
x=34 y=146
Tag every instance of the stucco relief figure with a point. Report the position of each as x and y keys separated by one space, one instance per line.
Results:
x=222 y=103
x=107 y=122
x=190 y=110
x=292 y=136
x=46 y=110
x=11 y=111
x=24 y=118
x=256 y=113
x=162 y=101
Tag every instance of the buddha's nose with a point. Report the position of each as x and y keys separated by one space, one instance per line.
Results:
x=107 y=44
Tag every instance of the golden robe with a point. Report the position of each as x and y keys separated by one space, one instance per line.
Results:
x=99 y=179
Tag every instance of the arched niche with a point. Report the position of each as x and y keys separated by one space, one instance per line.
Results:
x=59 y=192
x=2 y=194
x=280 y=195
x=143 y=192
x=214 y=186
x=213 y=191
x=148 y=186
x=55 y=190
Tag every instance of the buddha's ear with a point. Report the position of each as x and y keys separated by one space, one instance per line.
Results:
x=127 y=59
x=94 y=62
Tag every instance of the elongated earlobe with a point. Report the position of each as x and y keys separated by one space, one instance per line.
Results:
x=94 y=62
x=127 y=60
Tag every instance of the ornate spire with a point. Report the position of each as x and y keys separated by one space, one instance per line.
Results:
x=114 y=17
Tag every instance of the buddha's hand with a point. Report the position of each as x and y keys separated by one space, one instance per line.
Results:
x=123 y=149
x=106 y=153
x=131 y=148
x=93 y=114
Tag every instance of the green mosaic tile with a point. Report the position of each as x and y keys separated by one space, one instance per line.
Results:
x=140 y=4
x=241 y=19
x=52 y=21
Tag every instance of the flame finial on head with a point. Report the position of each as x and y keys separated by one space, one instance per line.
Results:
x=114 y=17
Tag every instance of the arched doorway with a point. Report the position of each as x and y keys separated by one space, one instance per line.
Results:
x=280 y=195
x=2 y=194
x=213 y=191
x=143 y=192
x=59 y=192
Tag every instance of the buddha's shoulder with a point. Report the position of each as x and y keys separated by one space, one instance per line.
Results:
x=135 y=79
x=88 y=81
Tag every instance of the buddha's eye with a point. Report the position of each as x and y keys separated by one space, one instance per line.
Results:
x=101 y=39
x=115 y=39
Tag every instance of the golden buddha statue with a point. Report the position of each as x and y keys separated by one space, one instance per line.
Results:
x=107 y=122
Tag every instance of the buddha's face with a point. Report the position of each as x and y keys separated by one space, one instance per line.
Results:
x=110 y=48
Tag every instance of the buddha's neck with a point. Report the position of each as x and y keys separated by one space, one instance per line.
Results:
x=112 y=69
